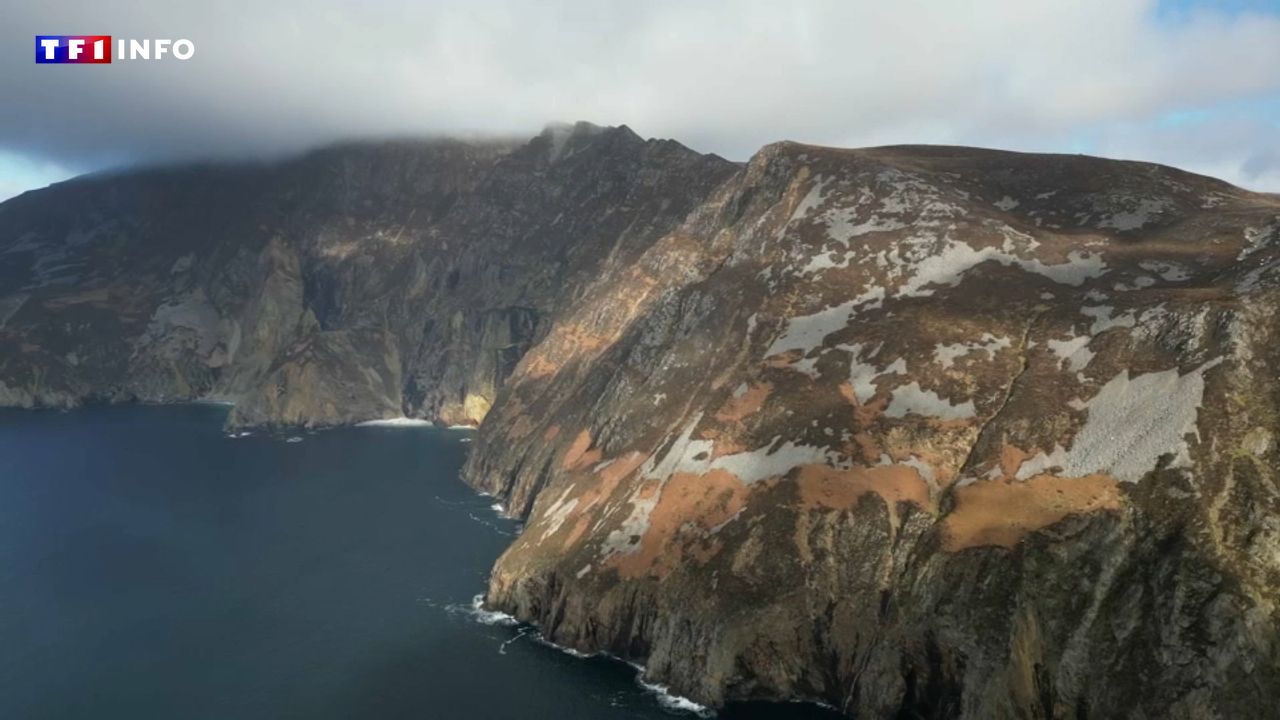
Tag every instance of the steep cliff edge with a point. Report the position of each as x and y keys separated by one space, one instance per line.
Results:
x=917 y=432
x=912 y=431
x=358 y=282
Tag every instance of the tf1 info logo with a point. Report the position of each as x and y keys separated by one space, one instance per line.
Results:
x=96 y=49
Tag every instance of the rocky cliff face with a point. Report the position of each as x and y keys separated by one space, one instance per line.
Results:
x=917 y=432
x=914 y=432
x=355 y=283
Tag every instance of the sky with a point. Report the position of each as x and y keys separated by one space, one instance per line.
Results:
x=1191 y=83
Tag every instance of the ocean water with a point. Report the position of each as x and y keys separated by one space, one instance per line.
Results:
x=153 y=567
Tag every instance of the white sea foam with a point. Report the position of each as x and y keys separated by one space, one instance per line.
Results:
x=396 y=422
x=672 y=701
x=477 y=612
x=294 y=439
x=662 y=693
x=522 y=632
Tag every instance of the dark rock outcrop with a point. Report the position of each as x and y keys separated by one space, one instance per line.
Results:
x=355 y=283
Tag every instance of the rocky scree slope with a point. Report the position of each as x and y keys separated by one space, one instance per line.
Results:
x=359 y=282
x=917 y=432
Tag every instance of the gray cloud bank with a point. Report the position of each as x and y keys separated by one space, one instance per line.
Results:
x=1099 y=76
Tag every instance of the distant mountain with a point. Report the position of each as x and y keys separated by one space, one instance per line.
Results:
x=911 y=431
x=357 y=282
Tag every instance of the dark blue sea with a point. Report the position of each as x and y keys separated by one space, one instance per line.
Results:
x=151 y=566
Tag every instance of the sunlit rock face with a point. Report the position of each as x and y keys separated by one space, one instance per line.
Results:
x=355 y=283
x=932 y=431
x=912 y=431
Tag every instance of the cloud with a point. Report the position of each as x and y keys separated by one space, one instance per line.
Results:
x=721 y=75
x=21 y=173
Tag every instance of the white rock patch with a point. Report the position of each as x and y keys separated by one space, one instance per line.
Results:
x=1103 y=319
x=946 y=355
x=694 y=456
x=635 y=525
x=1172 y=272
x=1074 y=351
x=1256 y=239
x=1132 y=423
x=812 y=200
x=1141 y=214
x=913 y=400
x=806 y=332
x=842 y=225
x=862 y=375
x=686 y=455
x=949 y=265
x=753 y=466
x=558 y=513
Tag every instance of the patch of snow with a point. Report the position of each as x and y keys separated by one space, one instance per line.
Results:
x=1006 y=203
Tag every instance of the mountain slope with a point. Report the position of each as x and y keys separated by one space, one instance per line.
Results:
x=912 y=431
x=931 y=431
x=358 y=282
